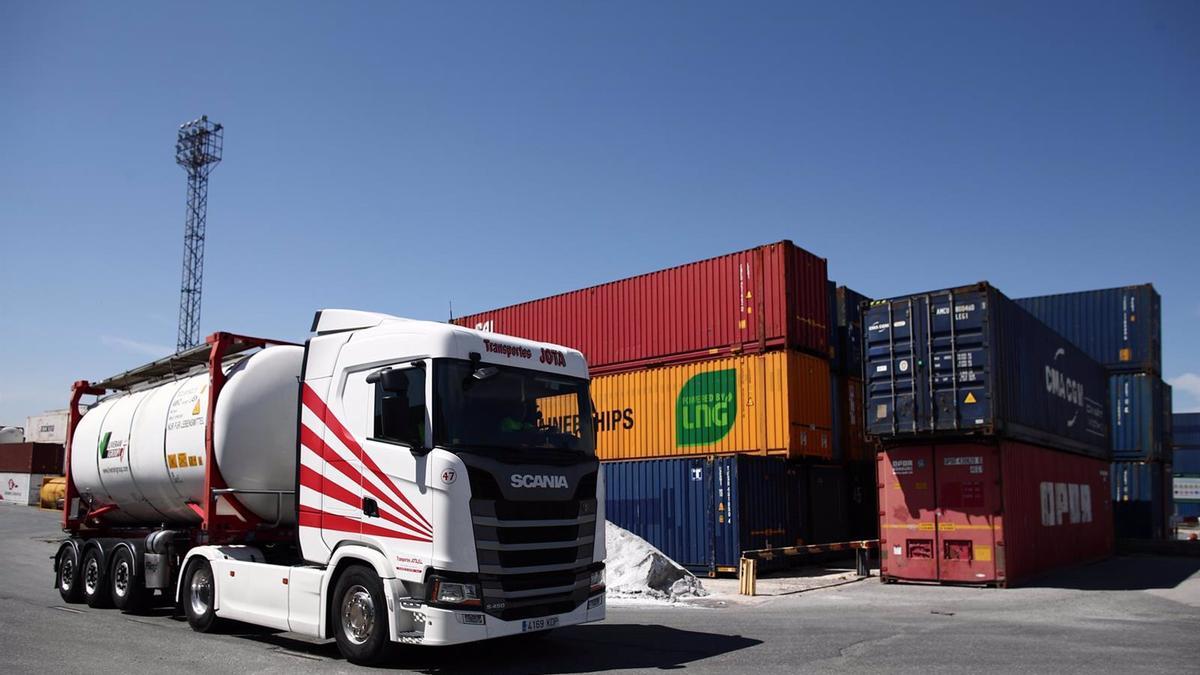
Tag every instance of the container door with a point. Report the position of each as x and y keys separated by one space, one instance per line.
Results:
x=908 y=523
x=726 y=516
x=968 y=498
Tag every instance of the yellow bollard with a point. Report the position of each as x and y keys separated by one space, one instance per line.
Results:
x=747 y=576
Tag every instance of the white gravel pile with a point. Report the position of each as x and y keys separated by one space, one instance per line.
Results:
x=636 y=570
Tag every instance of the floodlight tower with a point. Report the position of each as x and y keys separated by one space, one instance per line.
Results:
x=197 y=150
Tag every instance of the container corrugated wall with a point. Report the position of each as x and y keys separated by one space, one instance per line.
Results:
x=1137 y=401
x=1186 y=430
x=775 y=403
x=1140 y=499
x=703 y=512
x=766 y=297
x=1187 y=462
x=1119 y=327
x=969 y=361
x=996 y=512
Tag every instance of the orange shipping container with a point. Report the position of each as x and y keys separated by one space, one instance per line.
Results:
x=776 y=403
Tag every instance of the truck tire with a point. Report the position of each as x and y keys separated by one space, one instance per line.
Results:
x=198 y=592
x=129 y=592
x=67 y=577
x=360 y=621
x=96 y=591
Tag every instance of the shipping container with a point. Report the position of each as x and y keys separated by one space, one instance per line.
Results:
x=745 y=302
x=31 y=458
x=849 y=438
x=775 y=403
x=1168 y=421
x=1137 y=403
x=1186 y=430
x=703 y=512
x=48 y=427
x=1140 y=494
x=989 y=511
x=1121 y=328
x=969 y=361
x=1186 y=462
x=848 y=345
x=828 y=504
x=1185 y=492
x=18 y=488
x=864 y=500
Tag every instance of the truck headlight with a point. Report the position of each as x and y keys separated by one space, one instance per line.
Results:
x=597 y=581
x=455 y=593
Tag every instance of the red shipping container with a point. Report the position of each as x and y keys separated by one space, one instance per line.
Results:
x=997 y=512
x=31 y=458
x=745 y=302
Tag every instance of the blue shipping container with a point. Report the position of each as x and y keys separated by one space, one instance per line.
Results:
x=1187 y=462
x=970 y=361
x=1139 y=499
x=829 y=501
x=703 y=512
x=1119 y=327
x=847 y=304
x=1186 y=430
x=1137 y=403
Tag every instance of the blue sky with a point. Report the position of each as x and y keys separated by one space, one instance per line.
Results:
x=401 y=156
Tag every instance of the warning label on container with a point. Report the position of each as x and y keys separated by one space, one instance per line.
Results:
x=902 y=467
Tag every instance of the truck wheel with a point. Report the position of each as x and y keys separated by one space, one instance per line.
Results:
x=199 y=591
x=96 y=592
x=128 y=589
x=67 y=577
x=360 y=617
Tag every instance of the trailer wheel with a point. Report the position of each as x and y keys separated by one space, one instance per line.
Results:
x=96 y=591
x=199 y=591
x=67 y=577
x=128 y=588
x=360 y=616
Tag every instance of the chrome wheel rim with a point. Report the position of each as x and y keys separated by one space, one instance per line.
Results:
x=66 y=571
x=358 y=615
x=91 y=576
x=121 y=578
x=200 y=591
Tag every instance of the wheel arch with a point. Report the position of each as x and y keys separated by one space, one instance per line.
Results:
x=346 y=556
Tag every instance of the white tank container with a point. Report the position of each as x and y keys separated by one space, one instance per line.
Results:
x=12 y=435
x=144 y=452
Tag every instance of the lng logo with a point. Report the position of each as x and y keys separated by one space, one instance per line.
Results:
x=538 y=481
x=1066 y=503
x=1064 y=387
x=706 y=408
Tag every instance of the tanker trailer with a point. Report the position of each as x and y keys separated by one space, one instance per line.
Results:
x=390 y=481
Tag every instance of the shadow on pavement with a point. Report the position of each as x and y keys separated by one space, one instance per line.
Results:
x=1125 y=573
x=581 y=649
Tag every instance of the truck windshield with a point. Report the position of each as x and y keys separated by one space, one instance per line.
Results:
x=500 y=407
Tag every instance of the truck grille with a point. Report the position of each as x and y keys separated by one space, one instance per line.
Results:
x=534 y=556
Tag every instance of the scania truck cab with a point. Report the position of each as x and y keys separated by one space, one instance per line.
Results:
x=442 y=488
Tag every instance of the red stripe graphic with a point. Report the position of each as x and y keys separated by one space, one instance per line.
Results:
x=314 y=481
x=310 y=440
x=328 y=521
x=322 y=411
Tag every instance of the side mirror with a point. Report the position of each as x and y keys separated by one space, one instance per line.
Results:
x=393 y=381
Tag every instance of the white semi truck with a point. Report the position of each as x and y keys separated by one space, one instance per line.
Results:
x=390 y=481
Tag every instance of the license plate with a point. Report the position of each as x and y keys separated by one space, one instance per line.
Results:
x=538 y=624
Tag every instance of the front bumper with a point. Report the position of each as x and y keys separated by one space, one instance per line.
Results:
x=443 y=627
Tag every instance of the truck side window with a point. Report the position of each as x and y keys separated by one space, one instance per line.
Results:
x=400 y=408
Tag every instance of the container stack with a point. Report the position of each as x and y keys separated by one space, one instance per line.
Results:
x=713 y=400
x=1121 y=328
x=994 y=453
x=851 y=451
x=1186 y=466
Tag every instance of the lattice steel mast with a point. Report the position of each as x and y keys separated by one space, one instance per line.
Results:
x=197 y=150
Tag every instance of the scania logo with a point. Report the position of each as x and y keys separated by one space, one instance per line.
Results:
x=527 y=480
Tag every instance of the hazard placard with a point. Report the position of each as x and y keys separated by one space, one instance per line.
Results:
x=970 y=398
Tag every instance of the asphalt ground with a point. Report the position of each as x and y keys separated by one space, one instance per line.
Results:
x=1129 y=614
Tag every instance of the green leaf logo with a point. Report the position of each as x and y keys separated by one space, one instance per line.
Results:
x=104 y=444
x=706 y=408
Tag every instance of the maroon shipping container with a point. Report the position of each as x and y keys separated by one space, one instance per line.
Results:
x=31 y=458
x=983 y=512
x=745 y=302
